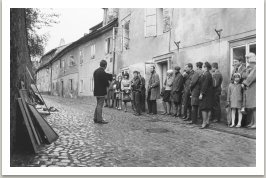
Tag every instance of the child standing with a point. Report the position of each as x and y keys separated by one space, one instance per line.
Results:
x=235 y=99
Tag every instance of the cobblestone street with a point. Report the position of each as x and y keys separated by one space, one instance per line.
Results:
x=132 y=141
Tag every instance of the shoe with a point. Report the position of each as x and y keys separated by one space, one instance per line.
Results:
x=187 y=119
x=102 y=122
x=232 y=126
x=164 y=113
x=203 y=127
x=214 y=121
x=184 y=117
x=169 y=114
x=190 y=122
x=207 y=125
x=136 y=114
x=238 y=126
x=105 y=106
x=253 y=127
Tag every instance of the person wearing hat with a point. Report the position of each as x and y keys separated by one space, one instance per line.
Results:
x=176 y=92
x=136 y=93
x=167 y=92
x=249 y=86
x=235 y=99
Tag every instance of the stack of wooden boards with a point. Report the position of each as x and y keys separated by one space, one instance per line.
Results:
x=38 y=129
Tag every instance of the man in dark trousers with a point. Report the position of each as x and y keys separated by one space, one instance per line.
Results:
x=153 y=91
x=136 y=93
x=195 y=92
x=101 y=82
x=143 y=93
x=187 y=93
x=217 y=89
x=176 y=93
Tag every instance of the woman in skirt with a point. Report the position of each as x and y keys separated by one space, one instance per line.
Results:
x=126 y=91
x=166 y=94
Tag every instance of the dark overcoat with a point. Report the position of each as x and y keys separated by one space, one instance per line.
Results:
x=207 y=91
x=195 y=87
x=101 y=82
x=187 y=93
x=177 y=88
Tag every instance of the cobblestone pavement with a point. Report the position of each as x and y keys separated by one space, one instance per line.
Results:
x=131 y=141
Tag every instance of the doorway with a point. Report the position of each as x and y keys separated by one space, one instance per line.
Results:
x=162 y=68
x=62 y=88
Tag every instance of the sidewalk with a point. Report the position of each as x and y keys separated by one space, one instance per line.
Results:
x=221 y=127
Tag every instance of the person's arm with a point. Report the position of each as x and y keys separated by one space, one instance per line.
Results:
x=250 y=78
x=229 y=94
x=179 y=84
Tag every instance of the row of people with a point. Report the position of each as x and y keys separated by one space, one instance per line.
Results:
x=190 y=94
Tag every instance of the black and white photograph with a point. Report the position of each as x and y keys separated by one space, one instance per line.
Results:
x=138 y=89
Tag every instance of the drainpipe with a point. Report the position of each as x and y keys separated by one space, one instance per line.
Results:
x=113 y=50
x=51 y=80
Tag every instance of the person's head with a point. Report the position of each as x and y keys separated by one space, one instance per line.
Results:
x=237 y=77
x=152 y=69
x=207 y=66
x=126 y=75
x=214 y=66
x=199 y=65
x=119 y=78
x=135 y=73
x=237 y=61
x=188 y=67
x=103 y=64
x=170 y=72
x=177 y=69
x=251 y=58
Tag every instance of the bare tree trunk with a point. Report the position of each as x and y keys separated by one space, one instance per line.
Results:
x=19 y=59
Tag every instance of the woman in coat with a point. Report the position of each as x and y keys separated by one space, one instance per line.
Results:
x=206 y=95
x=249 y=86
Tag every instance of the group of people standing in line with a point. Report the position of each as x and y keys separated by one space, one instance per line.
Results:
x=187 y=95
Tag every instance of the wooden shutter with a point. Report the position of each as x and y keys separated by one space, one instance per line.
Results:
x=150 y=22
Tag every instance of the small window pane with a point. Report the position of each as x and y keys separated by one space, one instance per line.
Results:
x=252 y=48
x=239 y=52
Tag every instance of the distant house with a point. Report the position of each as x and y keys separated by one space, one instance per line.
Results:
x=70 y=71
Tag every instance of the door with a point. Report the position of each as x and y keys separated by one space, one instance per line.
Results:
x=162 y=69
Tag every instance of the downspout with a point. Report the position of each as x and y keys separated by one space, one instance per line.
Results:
x=113 y=50
x=170 y=36
x=51 y=80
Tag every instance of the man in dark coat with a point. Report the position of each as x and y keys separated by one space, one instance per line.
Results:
x=195 y=92
x=177 y=92
x=217 y=89
x=143 y=93
x=153 y=91
x=136 y=93
x=187 y=93
x=101 y=82
x=239 y=67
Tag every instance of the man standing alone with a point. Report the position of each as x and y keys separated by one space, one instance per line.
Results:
x=101 y=82
x=153 y=91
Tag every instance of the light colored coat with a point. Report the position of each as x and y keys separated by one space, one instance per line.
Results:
x=154 y=86
x=249 y=77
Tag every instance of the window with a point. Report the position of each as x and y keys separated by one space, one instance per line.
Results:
x=108 y=48
x=157 y=21
x=71 y=61
x=93 y=51
x=126 y=35
x=241 y=48
x=71 y=84
x=81 y=56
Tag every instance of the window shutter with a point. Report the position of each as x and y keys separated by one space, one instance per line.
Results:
x=150 y=22
x=166 y=19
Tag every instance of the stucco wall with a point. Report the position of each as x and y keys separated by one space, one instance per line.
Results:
x=43 y=80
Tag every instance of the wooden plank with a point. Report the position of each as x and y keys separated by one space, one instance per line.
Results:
x=48 y=131
x=24 y=98
x=32 y=139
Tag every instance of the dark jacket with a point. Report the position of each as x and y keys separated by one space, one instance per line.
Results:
x=207 y=91
x=195 y=87
x=187 y=81
x=177 y=87
x=101 y=83
x=136 y=84
x=217 y=82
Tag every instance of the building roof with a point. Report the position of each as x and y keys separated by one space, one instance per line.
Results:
x=94 y=34
x=95 y=27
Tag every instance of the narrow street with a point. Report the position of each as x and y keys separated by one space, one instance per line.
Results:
x=130 y=141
